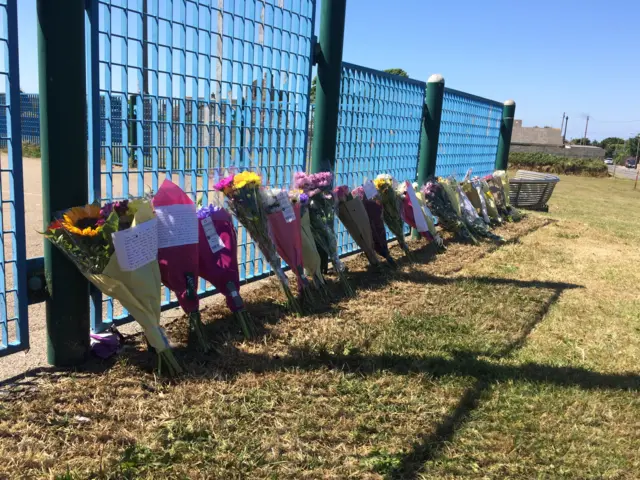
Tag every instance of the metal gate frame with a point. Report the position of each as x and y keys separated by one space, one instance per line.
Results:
x=17 y=261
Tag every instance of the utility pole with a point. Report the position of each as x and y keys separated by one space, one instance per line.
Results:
x=564 y=114
x=564 y=135
x=584 y=139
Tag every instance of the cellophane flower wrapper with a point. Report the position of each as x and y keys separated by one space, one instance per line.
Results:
x=410 y=211
x=439 y=203
x=137 y=290
x=409 y=218
x=392 y=209
x=376 y=222
x=179 y=264
x=470 y=216
x=497 y=191
x=429 y=217
x=243 y=194
x=476 y=200
x=490 y=202
x=220 y=267
x=287 y=236
x=514 y=214
x=322 y=210
x=353 y=216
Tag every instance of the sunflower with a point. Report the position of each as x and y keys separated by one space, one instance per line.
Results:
x=82 y=221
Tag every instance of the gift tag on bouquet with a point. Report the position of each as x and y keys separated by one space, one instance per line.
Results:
x=215 y=242
x=370 y=189
x=177 y=225
x=287 y=208
x=136 y=246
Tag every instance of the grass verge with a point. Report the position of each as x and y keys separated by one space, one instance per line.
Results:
x=511 y=362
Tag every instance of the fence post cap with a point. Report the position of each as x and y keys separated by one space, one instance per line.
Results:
x=509 y=103
x=436 y=78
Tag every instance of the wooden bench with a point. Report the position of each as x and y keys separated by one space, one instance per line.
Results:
x=531 y=190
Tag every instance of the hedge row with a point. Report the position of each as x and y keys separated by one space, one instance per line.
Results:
x=544 y=162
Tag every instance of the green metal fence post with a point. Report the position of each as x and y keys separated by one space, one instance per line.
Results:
x=329 y=60
x=63 y=128
x=506 y=128
x=430 y=133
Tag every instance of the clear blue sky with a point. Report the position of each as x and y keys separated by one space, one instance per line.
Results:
x=551 y=56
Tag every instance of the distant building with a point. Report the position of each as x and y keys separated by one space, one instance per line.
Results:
x=548 y=140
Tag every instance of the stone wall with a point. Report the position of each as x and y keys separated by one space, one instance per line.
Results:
x=535 y=135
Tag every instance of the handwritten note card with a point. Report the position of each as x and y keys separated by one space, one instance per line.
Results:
x=215 y=242
x=418 y=215
x=177 y=225
x=370 y=189
x=287 y=208
x=136 y=246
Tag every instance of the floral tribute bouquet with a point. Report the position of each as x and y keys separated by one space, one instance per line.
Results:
x=353 y=216
x=218 y=260
x=322 y=209
x=391 y=209
x=492 y=209
x=474 y=194
x=417 y=215
x=178 y=252
x=501 y=178
x=243 y=192
x=376 y=222
x=439 y=203
x=284 y=224
x=468 y=213
x=116 y=248
x=310 y=256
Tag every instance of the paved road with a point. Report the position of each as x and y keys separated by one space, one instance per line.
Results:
x=623 y=172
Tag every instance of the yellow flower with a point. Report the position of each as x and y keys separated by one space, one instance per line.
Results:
x=381 y=183
x=246 y=178
x=82 y=221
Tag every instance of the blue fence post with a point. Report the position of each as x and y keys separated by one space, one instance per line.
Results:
x=94 y=131
x=17 y=189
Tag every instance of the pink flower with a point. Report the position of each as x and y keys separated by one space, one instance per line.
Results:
x=301 y=180
x=358 y=192
x=224 y=183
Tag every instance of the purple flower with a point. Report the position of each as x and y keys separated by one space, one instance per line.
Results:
x=224 y=183
x=208 y=211
x=106 y=210
x=304 y=199
x=121 y=207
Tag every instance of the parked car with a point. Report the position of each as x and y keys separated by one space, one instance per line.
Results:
x=608 y=161
x=631 y=162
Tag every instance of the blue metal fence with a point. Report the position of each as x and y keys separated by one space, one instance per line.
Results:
x=29 y=118
x=469 y=132
x=14 y=332
x=215 y=85
x=378 y=130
